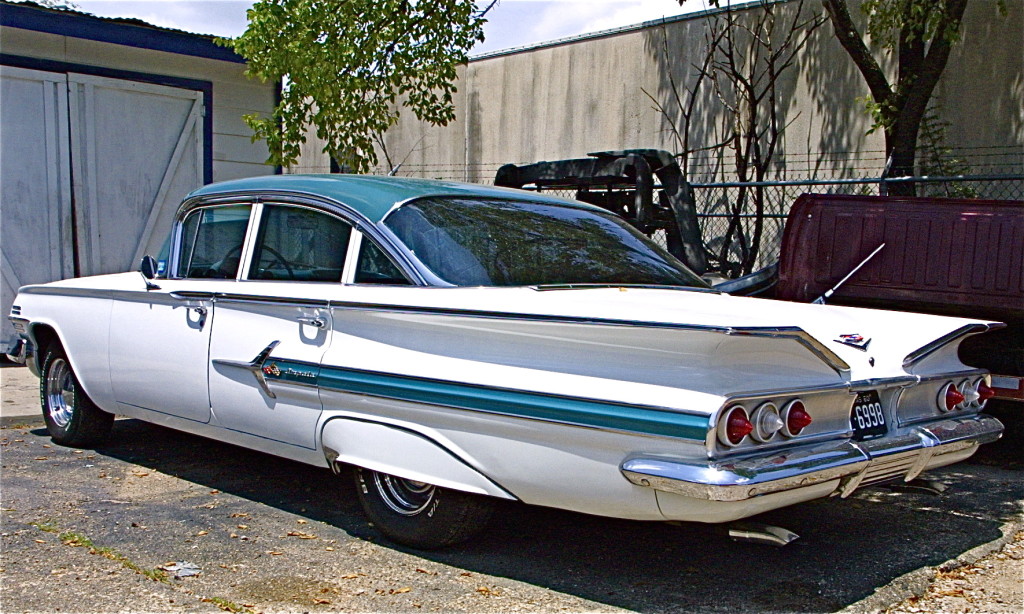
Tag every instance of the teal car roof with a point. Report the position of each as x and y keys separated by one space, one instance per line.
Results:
x=371 y=195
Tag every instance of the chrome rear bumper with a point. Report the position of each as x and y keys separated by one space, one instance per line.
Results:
x=903 y=454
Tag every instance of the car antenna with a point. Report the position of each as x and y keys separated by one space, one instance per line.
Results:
x=828 y=293
x=394 y=170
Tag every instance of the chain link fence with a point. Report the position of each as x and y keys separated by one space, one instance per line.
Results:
x=728 y=218
x=721 y=207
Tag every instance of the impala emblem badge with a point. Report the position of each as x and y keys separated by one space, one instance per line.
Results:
x=272 y=369
x=857 y=341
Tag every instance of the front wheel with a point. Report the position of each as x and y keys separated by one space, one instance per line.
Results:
x=71 y=416
x=418 y=514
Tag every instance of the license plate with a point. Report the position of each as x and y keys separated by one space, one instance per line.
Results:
x=867 y=417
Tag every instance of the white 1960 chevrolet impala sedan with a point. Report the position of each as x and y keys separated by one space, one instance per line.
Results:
x=459 y=344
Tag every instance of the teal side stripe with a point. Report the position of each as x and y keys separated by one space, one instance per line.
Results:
x=515 y=403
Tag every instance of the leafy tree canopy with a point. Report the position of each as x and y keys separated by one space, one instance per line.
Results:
x=346 y=64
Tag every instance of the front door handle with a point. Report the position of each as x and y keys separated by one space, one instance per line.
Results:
x=315 y=321
x=193 y=302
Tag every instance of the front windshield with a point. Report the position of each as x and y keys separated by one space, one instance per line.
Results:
x=493 y=242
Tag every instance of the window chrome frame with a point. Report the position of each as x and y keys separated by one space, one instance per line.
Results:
x=249 y=243
x=254 y=230
x=388 y=244
x=177 y=239
x=348 y=272
x=432 y=279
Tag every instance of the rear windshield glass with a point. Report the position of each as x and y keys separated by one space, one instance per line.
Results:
x=492 y=242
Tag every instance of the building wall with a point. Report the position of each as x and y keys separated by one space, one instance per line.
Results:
x=567 y=99
x=234 y=95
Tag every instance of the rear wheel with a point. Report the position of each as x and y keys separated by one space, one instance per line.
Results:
x=418 y=514
x=71 y=417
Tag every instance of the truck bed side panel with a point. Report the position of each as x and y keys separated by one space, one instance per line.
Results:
x=956 y=256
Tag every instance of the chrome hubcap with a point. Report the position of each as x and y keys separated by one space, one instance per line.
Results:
x=406 y=497
x=60 y=392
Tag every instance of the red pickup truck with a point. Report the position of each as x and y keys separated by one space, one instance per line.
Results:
x=961 y=257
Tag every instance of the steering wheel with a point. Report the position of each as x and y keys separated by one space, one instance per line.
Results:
x=216 y=269
x=277 y=259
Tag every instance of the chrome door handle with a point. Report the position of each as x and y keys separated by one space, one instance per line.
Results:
x=199 y=311
x=317 y=322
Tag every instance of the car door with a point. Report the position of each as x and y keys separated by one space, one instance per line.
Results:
x=271 y=335
x=159 y=339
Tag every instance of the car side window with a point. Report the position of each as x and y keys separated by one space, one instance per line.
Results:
x=299 y=244
x=211 y=242
x=374 y=267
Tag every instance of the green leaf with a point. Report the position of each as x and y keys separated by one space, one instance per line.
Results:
x=350 y=66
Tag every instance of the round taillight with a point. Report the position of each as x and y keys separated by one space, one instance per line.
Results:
x=796 y=418
x=970 y=393
x=734 y=426
x=985 y=392
x=950 y=397
x=766 y=422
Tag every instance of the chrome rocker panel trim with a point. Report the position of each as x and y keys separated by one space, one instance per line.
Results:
x=903 y=454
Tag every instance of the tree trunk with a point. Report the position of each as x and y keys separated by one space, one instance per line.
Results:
x=902 y=152
x=920 y=64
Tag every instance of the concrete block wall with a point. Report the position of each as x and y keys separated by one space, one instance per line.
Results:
x=566 y=99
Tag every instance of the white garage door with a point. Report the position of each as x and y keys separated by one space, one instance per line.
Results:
x=35 y=184
x=136 y=150
x=93 y=165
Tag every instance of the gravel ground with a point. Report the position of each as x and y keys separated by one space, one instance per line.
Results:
x=993 y=584
x=95 y=530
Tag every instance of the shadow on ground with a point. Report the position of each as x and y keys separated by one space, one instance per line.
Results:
x=847 y=549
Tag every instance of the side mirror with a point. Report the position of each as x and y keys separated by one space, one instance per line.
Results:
x=148 y=267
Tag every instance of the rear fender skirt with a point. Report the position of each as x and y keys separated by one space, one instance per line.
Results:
x=404 y=453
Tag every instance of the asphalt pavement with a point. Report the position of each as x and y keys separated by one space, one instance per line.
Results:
x=90 y=530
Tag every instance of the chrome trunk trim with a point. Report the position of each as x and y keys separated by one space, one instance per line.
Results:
x=802 y=337
x=930 y=348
